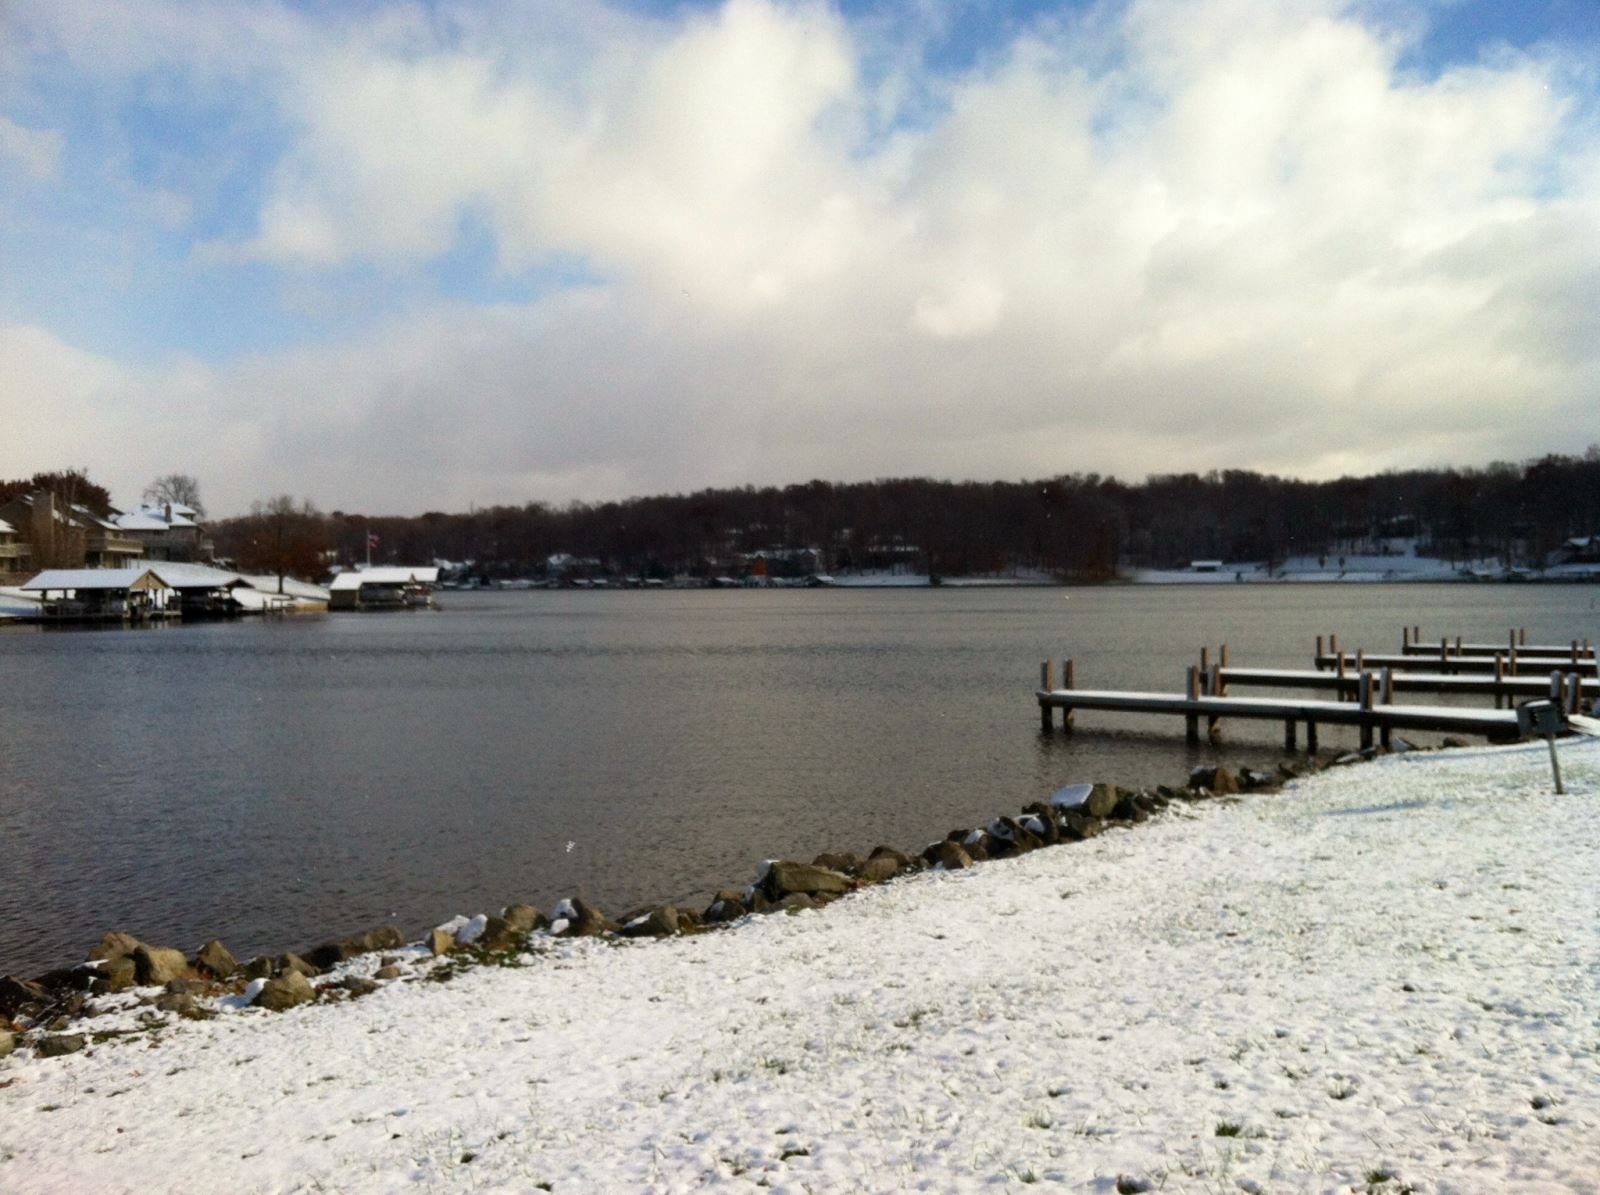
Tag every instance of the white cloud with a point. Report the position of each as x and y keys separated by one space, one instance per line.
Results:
x=38 y=150
x=1241 y=235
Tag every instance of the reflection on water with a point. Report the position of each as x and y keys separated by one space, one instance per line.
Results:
x=274 y=783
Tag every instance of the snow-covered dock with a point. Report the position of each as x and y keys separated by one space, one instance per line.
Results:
x=1380 y=980
x=1348 y=682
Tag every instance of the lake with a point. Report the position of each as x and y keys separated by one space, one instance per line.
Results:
x=278 y=783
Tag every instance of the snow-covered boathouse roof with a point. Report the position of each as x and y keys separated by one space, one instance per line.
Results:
x=356 y=578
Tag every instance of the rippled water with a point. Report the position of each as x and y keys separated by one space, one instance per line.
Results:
x=276 y=783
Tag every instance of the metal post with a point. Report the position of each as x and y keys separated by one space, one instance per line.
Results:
x=1555 y=764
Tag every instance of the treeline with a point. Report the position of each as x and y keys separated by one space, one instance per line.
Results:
x=1081 y=526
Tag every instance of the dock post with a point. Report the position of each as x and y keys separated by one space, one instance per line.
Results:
x=1555 y=687
x=1191 y=722
x=1045 y=685
x=1319 y=651
x=1214 y=689
x=1223 y=653
x=1513 y=655
x=1205 y=659
x=1416 y=636
x=1499 y=679
x=1069 y=680
x=1364 y=695
x=1386 y=697
x=1288 y=734
x=1311 y=738
x=1222 y=662
x=1333 y=645
x=1444 y=654
x=1361 y=659
x=1574 y=653
x=1405 y=638
x=1574 y=694
x=1339 y=688
x=1458 y=645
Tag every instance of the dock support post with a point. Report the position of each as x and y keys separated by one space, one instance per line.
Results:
x=1555 y=687
x=1205 y=659
x=1444 y=655
x=1513 y=656
x=1361 y=659
x=1333 y=645
x=1045 y=686
x=1311 y=738
x=1319 y=651
x=1405 y=638
x=1499 y=679
x=1191 y=722
x=1339 y=688
x=1574 y=653
x=1364 y=695
x=1386 y=697
x=1575 y=694
x=1069 y=680
x=1288 y=734
x=1214 y=689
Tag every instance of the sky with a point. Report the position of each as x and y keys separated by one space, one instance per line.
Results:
x=397 y=257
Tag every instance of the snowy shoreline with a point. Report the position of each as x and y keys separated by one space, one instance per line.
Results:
x=1381 y=978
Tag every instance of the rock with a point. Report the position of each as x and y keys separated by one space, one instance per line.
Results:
x=68 y=979
x=359 y=985
x=1224 y=783
x=1254 y=781
x=441 y=941
x=1399 y=745
x=260 y=967
x=288 y=990
x=1129 y=810
x=888 y=852
x=584 y=920
x=1040 y=820
x=1288 y=771
x=389 y=972
x=1019 y=836
x=795 y=902
x=157 y=964
x=524 y=919
x=331 y=954
x=726 y=906
x=497 y=935
x=191 y=987
x=181 y=1003
x=877 y=869
x=837 y=862
x=8 y=1042
x=783 y=877
x=1345 y=760
x=952 y=856
x=16 y=994
x=294 y=963
x=114 y=945
x=689 y=921
x=1076 y=826
x=216 y=960
x=1451 y=742
x=116 y=975
x=658 y=923
x=1102 y=799
x=58 y=1044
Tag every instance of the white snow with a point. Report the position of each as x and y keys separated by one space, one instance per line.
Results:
x=1386 y=970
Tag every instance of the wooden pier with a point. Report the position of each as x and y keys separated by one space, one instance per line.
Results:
x=1412 y=644
x=1363 y=686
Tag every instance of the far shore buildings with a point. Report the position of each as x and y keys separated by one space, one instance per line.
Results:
x=38 y=531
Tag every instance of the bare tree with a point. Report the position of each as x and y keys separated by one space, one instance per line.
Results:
x=178 y=488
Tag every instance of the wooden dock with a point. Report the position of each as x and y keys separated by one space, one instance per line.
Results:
x=1412 y=644
x=1501 y=687
x=1519 y=665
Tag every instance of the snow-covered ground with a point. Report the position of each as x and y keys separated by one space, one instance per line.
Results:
x=1383 y=979
x=1400 y=567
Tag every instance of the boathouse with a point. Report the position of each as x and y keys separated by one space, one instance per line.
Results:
x=98 y=594
x=383 y=589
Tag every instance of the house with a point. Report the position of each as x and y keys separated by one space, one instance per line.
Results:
x=166 y=530
x=14 y=554
x=383 y=589
x=52 y=532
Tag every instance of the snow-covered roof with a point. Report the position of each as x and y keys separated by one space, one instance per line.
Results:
x=268 y=583
x=384 y=576
x=196 y=576
x=88 y=578
x=6 y=528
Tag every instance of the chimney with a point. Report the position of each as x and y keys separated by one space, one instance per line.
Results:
x=169 y=513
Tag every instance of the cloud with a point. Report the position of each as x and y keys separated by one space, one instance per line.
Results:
x=38 y=150
x=1160 y=236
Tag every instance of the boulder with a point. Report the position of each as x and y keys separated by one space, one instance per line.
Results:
x=583 y=920
x=114 y=945
x=331 y=954
x=888 y=852
x=1452 y=742
x=389 y=972
x=1076 y=826
x=783 y=877
x=8 y=1042
x=189 y=987
x=285 y=992
x=181 y=1003
x=834 y=862
x=1254 y=781
x=1102 y=799
x=68 y=979
x=216 y=960
x=441 y=941
x=726 y=906
x=524 y=919
x=658 y=923
x=260 y=967
x=952 y=856
x=359 y=985
x=58 y=1044
x=877 y=869
x=157 y=964
x=294 y=963
x=795 y=902
x=497 y=935
x=16 y=994
x=1129 y=810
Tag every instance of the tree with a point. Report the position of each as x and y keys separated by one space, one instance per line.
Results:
x=181 y=489
x=281 y=536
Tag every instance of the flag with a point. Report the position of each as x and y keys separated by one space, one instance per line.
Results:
x=372 y=540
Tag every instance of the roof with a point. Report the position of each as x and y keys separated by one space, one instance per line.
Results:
x=6 y=528
x=168 y=575
x=268 y=583
x=355 y=579
x=87 y=578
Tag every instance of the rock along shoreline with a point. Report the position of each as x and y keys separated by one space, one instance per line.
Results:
x=55 y=1013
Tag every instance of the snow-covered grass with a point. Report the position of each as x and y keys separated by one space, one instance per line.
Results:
x=1382 y=979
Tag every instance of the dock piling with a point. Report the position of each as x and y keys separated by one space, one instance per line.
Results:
x=1069 y=680
x=1364 y=695
x=1191 y=689
x=1046 y=685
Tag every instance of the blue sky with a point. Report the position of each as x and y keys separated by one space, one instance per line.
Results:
x=399 y=256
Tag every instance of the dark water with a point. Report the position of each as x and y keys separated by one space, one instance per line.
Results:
x=278 y=783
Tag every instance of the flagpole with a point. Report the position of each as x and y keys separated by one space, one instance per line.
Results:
x=369 y=545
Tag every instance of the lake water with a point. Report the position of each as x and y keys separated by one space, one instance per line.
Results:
x=278 y=783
